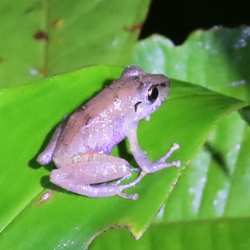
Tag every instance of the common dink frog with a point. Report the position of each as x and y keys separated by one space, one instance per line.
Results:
x=82 y=143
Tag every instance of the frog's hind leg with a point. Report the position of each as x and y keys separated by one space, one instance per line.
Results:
x=83 y=176
x=46 y=156
x=95 y=191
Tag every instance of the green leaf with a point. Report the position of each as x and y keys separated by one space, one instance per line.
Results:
x=216 y=184
x=209 y=206
x=44 y=38
x=217 y=59
x=55 y=218
x=208 y=235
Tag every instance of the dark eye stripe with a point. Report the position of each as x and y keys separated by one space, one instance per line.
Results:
x=136 y=105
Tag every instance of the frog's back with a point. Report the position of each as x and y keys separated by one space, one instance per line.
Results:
x=93 y=127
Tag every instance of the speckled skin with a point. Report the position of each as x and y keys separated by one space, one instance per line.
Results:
x=81 y=145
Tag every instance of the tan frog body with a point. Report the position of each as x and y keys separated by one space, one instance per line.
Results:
x=81 y=145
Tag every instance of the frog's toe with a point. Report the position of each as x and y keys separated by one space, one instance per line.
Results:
x=122 y=179
x=129 y=196
x=177 y=163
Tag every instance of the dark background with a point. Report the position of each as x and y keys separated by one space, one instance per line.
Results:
x=176 y=19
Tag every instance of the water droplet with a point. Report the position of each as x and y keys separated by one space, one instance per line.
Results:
x=33 y=72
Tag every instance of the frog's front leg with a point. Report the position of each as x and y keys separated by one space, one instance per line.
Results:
x=84 y=172
x=141 y=157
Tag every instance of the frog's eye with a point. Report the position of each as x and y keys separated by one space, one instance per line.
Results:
x=153 y=93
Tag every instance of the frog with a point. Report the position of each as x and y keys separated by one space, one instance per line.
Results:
x=82 y=143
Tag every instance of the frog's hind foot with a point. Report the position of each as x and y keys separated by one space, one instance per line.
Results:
x=131 y=184
x=126 y=177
